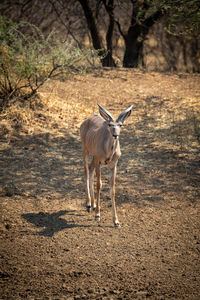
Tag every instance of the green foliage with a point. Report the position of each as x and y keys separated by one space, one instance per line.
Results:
x=141 y=14
x=27 y=61
x=183 y=16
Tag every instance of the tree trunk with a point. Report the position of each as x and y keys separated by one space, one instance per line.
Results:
x=109 y=8
x=108 y=60
x=134 y=39
x=133 y=47
x=106 y=56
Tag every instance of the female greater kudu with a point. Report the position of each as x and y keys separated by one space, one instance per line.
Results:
x=100 y=139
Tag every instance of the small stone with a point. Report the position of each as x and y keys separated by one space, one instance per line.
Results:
x=91 y=291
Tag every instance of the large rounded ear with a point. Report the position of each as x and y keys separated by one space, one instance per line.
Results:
x=105 y=114
x=124 y=115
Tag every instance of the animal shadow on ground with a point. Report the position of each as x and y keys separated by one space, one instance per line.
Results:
x=51 y=222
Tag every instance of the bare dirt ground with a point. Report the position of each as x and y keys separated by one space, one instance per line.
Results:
x=50 y=247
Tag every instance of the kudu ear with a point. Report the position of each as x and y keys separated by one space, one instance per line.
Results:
x=124 y=115
x=105 y=114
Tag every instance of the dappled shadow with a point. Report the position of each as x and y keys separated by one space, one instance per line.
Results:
x=155 y=165
x=159 y=164
x=51 y=222
x=42 y=164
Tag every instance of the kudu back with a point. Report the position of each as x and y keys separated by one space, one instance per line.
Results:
x=100 y=140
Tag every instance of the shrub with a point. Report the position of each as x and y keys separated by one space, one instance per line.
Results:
x=27 y=61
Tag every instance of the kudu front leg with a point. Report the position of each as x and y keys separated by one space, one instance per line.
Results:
x=87 y=180
x=112 y=194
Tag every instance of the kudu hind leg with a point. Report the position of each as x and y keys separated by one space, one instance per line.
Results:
x=99 y=184
x=91 y=183
x=112 y=194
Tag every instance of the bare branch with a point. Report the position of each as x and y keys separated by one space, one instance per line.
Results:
x=120 y=29
x=150 y=21
x=68 y=29
x=64 y=24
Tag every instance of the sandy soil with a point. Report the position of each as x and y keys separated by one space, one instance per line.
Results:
x=50 y=247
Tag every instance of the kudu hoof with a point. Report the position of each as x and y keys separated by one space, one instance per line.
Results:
x=97 y=218
x=88 y=208
x=117 y=225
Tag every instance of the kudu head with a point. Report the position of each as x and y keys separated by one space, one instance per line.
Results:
x=114 y=126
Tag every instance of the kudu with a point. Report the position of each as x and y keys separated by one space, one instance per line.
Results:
x=100 y=139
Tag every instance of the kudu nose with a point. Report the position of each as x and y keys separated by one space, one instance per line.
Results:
x=115 y=136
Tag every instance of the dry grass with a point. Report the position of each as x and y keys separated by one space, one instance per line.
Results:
x=165 y=104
